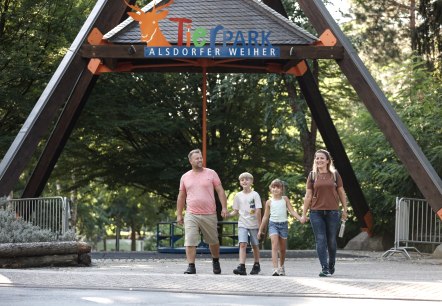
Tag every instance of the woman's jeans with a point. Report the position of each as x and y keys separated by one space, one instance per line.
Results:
x=325 y=224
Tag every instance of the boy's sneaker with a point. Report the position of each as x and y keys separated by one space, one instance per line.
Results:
x=281 y=271
x=275 y=272
x=190 y=270
x=216 y=267
x=240 y=270
x=256 y=268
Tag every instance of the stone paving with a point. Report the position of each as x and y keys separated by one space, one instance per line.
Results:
x=358 y=275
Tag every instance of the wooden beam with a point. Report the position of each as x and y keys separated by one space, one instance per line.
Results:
x=403 y=143
x=59 y=136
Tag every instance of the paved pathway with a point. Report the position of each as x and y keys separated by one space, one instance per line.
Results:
x=358 y=275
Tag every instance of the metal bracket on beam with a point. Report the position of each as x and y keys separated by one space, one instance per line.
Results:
x=327 y=38
x=95 y=37
x=298 y=70
x=97 y=67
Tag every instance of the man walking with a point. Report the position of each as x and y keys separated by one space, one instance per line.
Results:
x=197 y=191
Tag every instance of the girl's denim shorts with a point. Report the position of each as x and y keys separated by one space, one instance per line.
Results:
x=279 y=228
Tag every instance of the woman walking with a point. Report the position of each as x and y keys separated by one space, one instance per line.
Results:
x=324 y=192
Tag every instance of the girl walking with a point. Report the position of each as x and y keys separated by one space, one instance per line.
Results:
x=275 y=215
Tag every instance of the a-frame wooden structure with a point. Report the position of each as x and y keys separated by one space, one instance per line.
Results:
x=88 y=57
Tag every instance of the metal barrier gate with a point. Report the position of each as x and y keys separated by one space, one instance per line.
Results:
x=51 y=213
x=170 y=238
x=416 y=223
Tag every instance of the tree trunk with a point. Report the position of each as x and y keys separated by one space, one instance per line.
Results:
x=307 y=137
x=133 y=239
x=12 y=250
x=39 y=261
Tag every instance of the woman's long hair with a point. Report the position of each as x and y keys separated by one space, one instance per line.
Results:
x=330 y=166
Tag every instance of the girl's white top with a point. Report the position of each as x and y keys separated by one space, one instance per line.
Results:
x=278 y=210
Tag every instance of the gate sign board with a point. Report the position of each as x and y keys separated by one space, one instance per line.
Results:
x=173 y=29
x=199 y=42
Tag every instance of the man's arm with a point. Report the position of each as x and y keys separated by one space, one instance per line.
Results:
x=223 y=199
x=180 y=202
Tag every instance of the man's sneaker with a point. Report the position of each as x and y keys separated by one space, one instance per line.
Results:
x=190 y=270
x=216 y=267
x=275 y=272
x=281 y=271
x=240 y=270
x=332 y=269
x=256 y=268
x=324 y=273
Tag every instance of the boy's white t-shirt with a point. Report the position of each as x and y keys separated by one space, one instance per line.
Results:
x=246 y=204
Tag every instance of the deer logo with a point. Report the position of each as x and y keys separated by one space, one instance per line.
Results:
x=149 y=24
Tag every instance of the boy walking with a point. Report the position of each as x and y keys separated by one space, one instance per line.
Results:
x=247 y=203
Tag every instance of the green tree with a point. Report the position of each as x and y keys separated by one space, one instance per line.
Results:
x=389 y=27
x=418 y=103
x=34 y=35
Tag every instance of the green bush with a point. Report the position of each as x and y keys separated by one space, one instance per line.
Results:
x=16 y=230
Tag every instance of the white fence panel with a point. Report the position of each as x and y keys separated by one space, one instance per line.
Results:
x=51 y=213
x=416 y=224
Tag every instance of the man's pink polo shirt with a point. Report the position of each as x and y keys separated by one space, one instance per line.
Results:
x=199 y=187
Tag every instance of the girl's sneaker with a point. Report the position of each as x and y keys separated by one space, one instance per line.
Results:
x=281 y=271
x=275 y=272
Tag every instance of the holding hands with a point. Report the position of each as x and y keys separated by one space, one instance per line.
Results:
x=303 y=219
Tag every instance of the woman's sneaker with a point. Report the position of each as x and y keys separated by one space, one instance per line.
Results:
x=332 y=269
x=324 y=273
x=240 y=270
x=281 y=271
x=275 y=272
x=256 y=268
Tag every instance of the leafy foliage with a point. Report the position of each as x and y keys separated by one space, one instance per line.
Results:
x=34 y=35
x=383 y=177
x=390 y=27
x=16 y=230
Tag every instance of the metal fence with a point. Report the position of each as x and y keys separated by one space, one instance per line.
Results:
x=51 y=213
x=416 y=225
x=170 y=238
